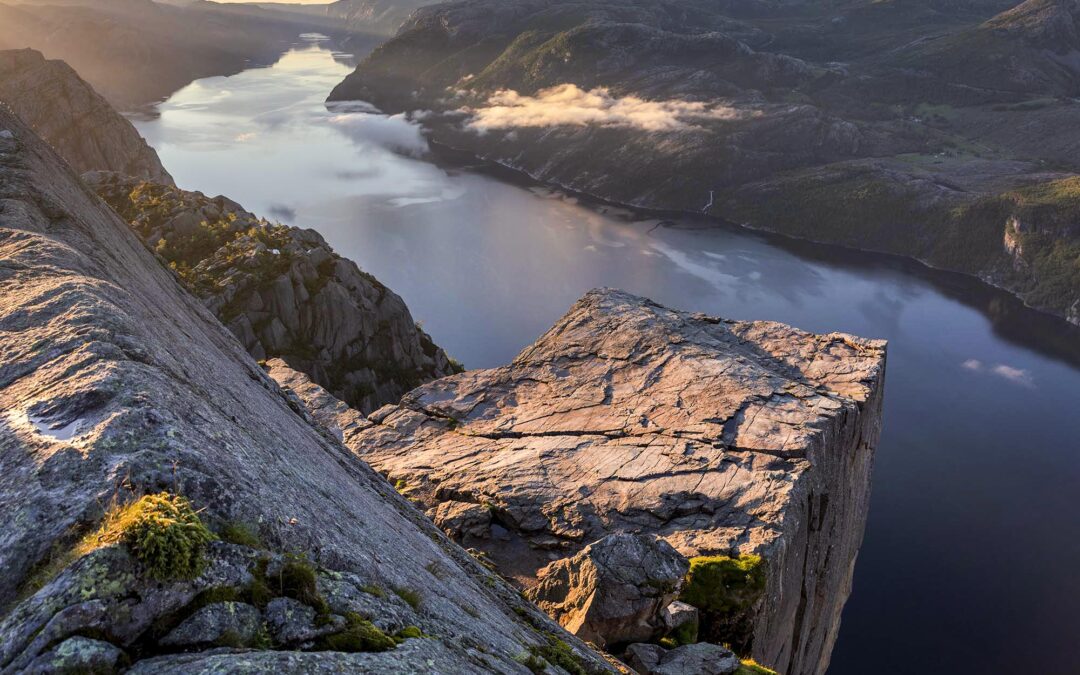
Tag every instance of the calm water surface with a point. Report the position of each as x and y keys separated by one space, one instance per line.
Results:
x=971 y=562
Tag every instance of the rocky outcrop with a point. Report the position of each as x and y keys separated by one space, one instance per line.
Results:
x=614 y=590
x=721 y=437
x=283 y=292
x=115 y=383
x=65 y=111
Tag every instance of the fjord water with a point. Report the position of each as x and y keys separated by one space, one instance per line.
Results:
x=973 y=543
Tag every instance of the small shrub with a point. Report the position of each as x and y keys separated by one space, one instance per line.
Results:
x=372 y=589
x=162 y=531
x=359 y=635
x=408 y=595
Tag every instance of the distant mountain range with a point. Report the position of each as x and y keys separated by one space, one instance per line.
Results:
x=139 y=51
x=944 y=131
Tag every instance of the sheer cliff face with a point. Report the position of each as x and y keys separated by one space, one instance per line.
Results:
x=67 y=113
x=115 y=382
x=720 y=436
x=283 y=292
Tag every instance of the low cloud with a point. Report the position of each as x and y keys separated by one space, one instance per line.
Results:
x=569 y=105
x=395 y=132
x=1015 y=375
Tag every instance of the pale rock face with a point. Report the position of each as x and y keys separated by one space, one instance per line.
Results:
x=718 y=436
x=614 y=590
x=115 y=382
x=66 y=112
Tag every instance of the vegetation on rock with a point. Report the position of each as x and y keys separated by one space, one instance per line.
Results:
x=725 y=589
x=162 y=531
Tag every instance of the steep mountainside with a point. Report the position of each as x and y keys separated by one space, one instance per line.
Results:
x=746 y=110
x=382 y=17
x=138 y=51
x=283 y=292
x=748 y=440
x=119 y=392
x=67 y=113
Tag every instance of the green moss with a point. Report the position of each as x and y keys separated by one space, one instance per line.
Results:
x=259 y=590
x=558 y=653
x=241 y=534
x=359 y=635
x=408 y=595
x=296 y=580
x=534 y=663
x=726 y=589
x=409 y=633
x=668 y=643
x=162 y=531
x=686 y=634
x=723 y=584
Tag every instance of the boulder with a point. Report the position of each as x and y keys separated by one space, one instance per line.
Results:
x=79 y=655
x=463 y=519
x=614 y=590
x=701 y=658
x=681 y=621
x=643 y=657
x=228 y=624
x=291 y=622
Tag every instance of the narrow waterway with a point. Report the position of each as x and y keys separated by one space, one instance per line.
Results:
x=970 y=558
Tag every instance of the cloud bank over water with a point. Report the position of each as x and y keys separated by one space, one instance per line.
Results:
x=568 y=104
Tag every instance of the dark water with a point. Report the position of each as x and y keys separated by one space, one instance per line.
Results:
x=971 y=562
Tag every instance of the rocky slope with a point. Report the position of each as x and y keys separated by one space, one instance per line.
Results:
x=119 y=392
x=136 y=52
x=67 y=113
x=743 y=110
x=283 y=292
x=722 y=437
x=382 y=17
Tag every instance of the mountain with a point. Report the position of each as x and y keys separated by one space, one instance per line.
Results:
x=908 y=127
x=747 y=441
x=136 y=52
x=379 y=17
x=283 y=292
x=67 y=113
x=170 y=510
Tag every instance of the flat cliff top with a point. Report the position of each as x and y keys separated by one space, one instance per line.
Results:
x=115 y=383
x=627 y=416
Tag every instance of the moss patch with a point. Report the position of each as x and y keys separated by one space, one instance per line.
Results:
x=409 y=595
x=241 y=534
x=162 y=531
x=725 y=589
x=360 y=635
